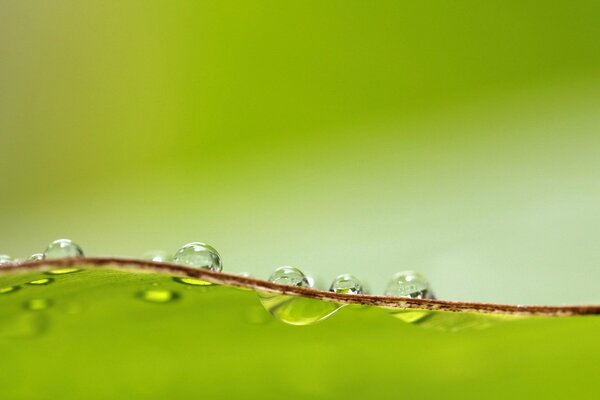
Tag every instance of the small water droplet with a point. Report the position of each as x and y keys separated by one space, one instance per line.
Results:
x=36 y=257
x=4 y=259
x=63 y=248
x=289 y=276
x=297 y=310
x=347 y=284
x=199 y=255
x=9 y=289
x=158 y=296
x=37 y=304
x=409 y=284
x=63 y=271
x=192 y=281
x=158 y=256
x=41 y=281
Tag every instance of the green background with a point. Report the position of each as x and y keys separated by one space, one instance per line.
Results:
x=457 y=138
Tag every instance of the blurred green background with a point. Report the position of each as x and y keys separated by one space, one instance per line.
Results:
x=457 y=138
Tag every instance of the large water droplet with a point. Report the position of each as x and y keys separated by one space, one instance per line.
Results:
x=63 y=248
x=289 y=276
x=9 y=289
x=63 y=271
x=297 y=310
x=347 y=284
x=192 y=281
x=409 y=284
x=36 y=257
x=40 y=282
x=4 y=259
x=158 y=295
x=37 y=304
x=198 y=255
x=158 y=256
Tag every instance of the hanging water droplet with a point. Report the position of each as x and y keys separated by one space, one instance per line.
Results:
x=409 y=284
x=36 y=257
x=41 y=282
x=63 y=271
x=289 y=276
x=158 y=296
x=198 y=255
x=9 y=289
x=4 y=259
x=347 y=284
x=297 y=310
x=63 y=248
x=37 y=304
x=158 y=256
x=192 y=281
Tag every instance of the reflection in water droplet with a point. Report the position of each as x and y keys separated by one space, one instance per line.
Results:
x=37 y=304
x=410 y=316
x=192 y=281
x=409 y=284
x=158 y=295
x=63 y=271
x=347 y=284
x=296 y=310
x=41 y=281
x=446 y=321
x=4 y=259
x=289 y=276
x=158 y=256
x=199 y=255
x=36 y=257
x=9 y=289
x=63 y=248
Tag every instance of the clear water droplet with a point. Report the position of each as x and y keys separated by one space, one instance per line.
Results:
x=9 y=289
x=289 y=276
x=37 y=304
x=158 y=256
x=198 y=255
x=347 y=284
x=409 y=284
x=192 y=281
x=63 y=248
x=63 y=271
x=297 y=310
x=158 y=296
x=41 y=282
x=36 y=257
x=4 y=259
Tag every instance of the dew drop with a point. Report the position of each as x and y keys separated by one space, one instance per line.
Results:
x=192 y=281
x=9 y=289
x=199 y=255
x=63 y=248
x=4 y=259
x=63 y=271
x=40 y=282
x=346 y=284
x=36 y=257
x=37 y=304
x=158 y=256
x=409 y=284
x=289 y=276
x=297 y=310
x=158 y=296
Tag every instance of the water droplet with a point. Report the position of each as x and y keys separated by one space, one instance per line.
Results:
x=289 y=276
x=4 y=259
x=158 y=256
x=158 y=295
x=199 y=255
x=9 y=289
x=36 y=257
x=409 y=284
x=41 y=281
x=347 y=284
x=63 y=248
x=63 y=271
x=37 y=304
x=297 y=310
x=192 y=281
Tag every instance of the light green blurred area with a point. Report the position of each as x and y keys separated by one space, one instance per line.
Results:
x=457 y=138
